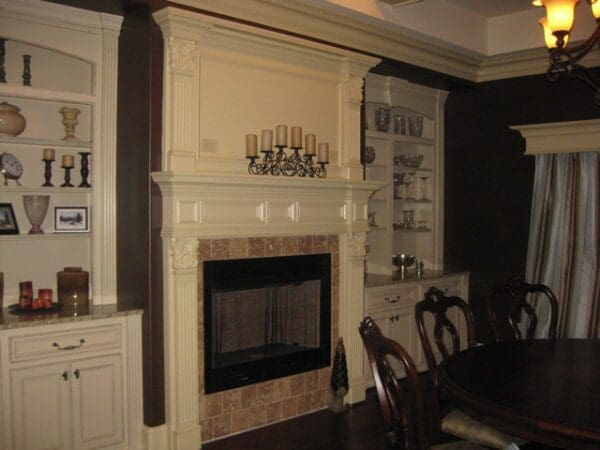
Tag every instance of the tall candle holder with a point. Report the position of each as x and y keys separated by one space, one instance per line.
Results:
x=48 y=172
x=85 y=171
x=2 y=54
x=279 y=163
x=26 y=70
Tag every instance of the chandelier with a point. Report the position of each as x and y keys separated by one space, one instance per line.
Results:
x=557 y=27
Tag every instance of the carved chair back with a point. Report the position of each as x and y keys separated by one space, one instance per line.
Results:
x=517 y=291
x=401 y=403
x=445 y=331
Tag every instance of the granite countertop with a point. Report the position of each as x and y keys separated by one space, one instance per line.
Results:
x=375 y=280
x=9 y=320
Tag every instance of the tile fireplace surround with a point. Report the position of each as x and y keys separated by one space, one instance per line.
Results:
x=239 y=409
x=223 y=80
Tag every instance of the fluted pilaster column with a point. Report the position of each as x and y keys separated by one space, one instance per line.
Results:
x=181 y=359
x=352 y=257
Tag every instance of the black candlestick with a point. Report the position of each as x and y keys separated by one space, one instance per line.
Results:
x=2 y=53
x=67 y=182
x=48 y=172
x=26 y=70
x=85 y=171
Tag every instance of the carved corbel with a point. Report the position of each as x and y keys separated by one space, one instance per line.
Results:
x=352 y=88
x=184 y=253
x=357 y=245
x=183 y=56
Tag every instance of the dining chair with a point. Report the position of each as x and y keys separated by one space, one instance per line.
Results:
x=511 y=300
x=403 y=403
x=446 y=337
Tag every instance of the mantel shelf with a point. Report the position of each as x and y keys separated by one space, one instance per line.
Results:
x=45 y=142
x=45 y=94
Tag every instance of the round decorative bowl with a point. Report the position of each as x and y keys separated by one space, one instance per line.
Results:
x=12 y=123
x=410 y=160
x=369 y=155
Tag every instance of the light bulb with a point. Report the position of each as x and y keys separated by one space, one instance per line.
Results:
x=595 y=4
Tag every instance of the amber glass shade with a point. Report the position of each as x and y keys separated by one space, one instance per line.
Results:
x=595 y=8
x=549 y=38
x=560 y=14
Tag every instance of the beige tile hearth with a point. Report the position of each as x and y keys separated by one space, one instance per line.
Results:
x=240 y=409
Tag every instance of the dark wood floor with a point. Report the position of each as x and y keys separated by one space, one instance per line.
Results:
x=360 y=428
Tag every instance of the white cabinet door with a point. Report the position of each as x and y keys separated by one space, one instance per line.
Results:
x=98 y=406
x=40 y=407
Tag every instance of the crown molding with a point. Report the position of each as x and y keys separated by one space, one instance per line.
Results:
x=561 y=137
x=379 y=38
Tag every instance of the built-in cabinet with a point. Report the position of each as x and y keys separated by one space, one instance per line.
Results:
x=404 y=148
x=72 y=64
x=391 y=304
x=71 y=385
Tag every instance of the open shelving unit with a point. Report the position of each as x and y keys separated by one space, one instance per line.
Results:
x=70 y=66
x=409 y=190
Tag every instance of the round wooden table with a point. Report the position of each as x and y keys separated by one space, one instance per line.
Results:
x=541 y=390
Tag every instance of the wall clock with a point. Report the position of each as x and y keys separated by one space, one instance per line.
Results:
x=11 y=168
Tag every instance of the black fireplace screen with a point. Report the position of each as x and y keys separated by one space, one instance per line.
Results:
x=265 y=318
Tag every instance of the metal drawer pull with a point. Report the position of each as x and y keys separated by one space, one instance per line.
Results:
x=389 y=300
x=69 y=347
x=65 y=375
x=76 y=373
x=396 y=318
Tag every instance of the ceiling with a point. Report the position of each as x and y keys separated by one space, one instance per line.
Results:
x=493 y=8
x=480 y=28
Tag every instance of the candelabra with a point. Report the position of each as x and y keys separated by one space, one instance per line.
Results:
x=279 y=163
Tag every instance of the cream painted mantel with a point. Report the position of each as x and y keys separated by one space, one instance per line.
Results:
x=561 y=137
x=223 y=80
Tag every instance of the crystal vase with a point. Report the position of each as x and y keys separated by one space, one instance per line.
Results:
x=36 y=207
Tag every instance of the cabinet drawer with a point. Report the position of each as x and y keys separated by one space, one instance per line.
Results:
x=65 y=343
x=400 y=295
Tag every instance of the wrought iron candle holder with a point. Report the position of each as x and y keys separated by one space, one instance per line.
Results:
x=26 y=70
x=280 y=163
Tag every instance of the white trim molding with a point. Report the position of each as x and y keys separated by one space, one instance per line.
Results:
x=376 y=37
x=561 y=137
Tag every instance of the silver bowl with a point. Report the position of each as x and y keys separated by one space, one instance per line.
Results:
x=403 y=260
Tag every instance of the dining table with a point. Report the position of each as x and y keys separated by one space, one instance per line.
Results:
x=541 y=390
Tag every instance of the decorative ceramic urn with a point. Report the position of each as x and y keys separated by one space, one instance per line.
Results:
x=12 y=123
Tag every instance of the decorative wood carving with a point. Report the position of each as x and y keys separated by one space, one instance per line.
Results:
x=352 y=88
x=357 y=245
x=183 y=55
x=184 y=253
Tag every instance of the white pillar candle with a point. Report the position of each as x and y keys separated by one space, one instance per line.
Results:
x=323 y=155
x=310 y=144
x=48 y=154
x=281 y=138
x=266 y=140
x=251 y=145
x=68 y=161
x=296 y=137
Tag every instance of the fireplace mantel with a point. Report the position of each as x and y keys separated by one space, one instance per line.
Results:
x=210 y=206
x=222 y=80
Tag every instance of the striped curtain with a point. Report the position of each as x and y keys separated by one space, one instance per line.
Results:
x=564 y=240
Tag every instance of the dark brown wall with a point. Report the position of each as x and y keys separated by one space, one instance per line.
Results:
x=138 y=258
x=488 y=180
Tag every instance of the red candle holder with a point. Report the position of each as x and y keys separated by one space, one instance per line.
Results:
x=45 y=295
x=25 y=294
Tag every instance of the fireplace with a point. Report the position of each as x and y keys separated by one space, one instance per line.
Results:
x=265 y=318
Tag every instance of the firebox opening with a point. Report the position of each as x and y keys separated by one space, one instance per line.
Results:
x=265 y=318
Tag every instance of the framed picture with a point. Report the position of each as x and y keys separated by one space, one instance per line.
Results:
x=71 y=219
x=8 y=223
